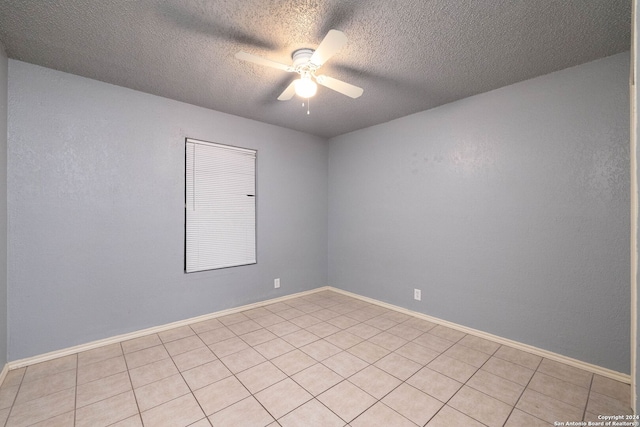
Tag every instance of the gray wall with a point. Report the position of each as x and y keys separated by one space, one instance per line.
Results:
x=509 y=210
x=96 y=211
x=3 y=204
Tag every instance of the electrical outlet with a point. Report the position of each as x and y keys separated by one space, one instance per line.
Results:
x=276 y=283
x=417 y=294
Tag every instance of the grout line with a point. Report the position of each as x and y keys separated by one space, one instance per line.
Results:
x=463 y=384
x=322 y=364
x=252 y=395
x=586 y=405
x=466 y=383
x=16 y=397
x=363 y=322
x=191 y=391
x=525 y=389
x=126 y=364
x=513 y=407
x=454 y=342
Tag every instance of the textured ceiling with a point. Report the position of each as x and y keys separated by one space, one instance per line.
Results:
x=408 y=55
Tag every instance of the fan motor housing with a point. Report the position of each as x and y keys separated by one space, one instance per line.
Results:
x=301 y=59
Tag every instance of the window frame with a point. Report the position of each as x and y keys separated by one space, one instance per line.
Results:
x=250 y=151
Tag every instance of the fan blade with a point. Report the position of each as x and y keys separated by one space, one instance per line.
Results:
x=244 y=56
x=340 y=86
x=329 y=46
x=288 y=93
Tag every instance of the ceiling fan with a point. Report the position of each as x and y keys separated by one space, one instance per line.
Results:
x=306 y=62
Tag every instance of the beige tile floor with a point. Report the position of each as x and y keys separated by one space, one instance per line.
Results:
x=323 y=359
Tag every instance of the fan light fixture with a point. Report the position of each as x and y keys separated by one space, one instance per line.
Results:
x=305 y=87
x=306 y=63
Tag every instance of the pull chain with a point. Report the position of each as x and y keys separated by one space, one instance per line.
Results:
x=307 y=103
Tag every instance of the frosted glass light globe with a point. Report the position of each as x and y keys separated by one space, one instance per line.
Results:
x=305 y=87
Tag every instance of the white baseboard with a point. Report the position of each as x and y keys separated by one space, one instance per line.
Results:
x=608 y=373
x=4 y=372
x=618 y=376
x=153 y=330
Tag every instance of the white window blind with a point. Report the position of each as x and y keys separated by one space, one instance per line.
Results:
x=220 y=206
